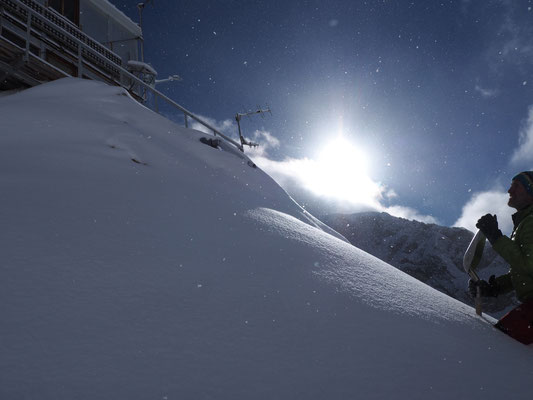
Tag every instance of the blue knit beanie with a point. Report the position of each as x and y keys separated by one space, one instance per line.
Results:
x=526 y=179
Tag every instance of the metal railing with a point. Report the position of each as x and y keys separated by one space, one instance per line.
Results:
x=90 y=52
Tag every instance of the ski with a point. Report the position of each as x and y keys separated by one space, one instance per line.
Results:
x=471 y=260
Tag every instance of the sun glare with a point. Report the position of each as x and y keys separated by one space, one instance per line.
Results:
x=341 y=172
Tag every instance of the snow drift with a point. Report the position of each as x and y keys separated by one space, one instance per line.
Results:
x=139 y=263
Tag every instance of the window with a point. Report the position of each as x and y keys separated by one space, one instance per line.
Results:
x=68 y=8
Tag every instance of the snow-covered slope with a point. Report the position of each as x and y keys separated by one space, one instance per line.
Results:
x=138 y=263
x=428 y=252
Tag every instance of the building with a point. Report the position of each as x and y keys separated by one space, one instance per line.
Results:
x=43 y=40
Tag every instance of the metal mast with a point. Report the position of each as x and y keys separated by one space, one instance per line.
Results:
x=238 y=117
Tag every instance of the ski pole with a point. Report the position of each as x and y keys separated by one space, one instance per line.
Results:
x=477 y=301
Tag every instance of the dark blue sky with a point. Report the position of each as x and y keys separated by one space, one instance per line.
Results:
x=435 y=92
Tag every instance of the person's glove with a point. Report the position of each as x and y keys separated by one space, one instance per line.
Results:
x=488 y=224
x=488 y=289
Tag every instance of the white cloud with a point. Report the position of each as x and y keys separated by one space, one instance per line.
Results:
x=299 y=177
x=272 y=141
x=337 y=175
x=490 y=202
x=487 y=93
x=524 y=153
x=391 y=194
x=267 y=142
x=411 y=214
x=228 y=127
x=330 y=185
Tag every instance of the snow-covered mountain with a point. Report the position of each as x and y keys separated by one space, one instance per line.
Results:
x=431 y=253
x=139 y=263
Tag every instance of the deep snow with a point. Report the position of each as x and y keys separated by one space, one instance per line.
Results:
x=189 y=274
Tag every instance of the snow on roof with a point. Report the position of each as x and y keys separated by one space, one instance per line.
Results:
x=109 y=9
x=140 y=66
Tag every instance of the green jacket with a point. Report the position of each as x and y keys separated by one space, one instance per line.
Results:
x=518 y=252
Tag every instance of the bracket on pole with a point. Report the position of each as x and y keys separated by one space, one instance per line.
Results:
x=238 y=118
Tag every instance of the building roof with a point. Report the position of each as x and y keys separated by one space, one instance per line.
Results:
x=106 y=7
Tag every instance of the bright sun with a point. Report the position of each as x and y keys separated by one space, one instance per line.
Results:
x=341 y=172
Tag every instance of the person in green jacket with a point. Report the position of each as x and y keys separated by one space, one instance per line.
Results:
x=518 y=252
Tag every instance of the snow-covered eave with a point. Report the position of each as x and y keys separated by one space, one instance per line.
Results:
x=139 y=66
x=109 y=9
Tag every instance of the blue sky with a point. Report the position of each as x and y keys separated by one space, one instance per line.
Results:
x=431 y=98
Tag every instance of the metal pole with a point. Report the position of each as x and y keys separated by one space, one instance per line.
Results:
x=80 y=62
x=140 y=7
x=238 y=118
x=28 y=36
x=1 y=18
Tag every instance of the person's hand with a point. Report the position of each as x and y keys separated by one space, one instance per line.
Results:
x=488 y=224
x=487 y=289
